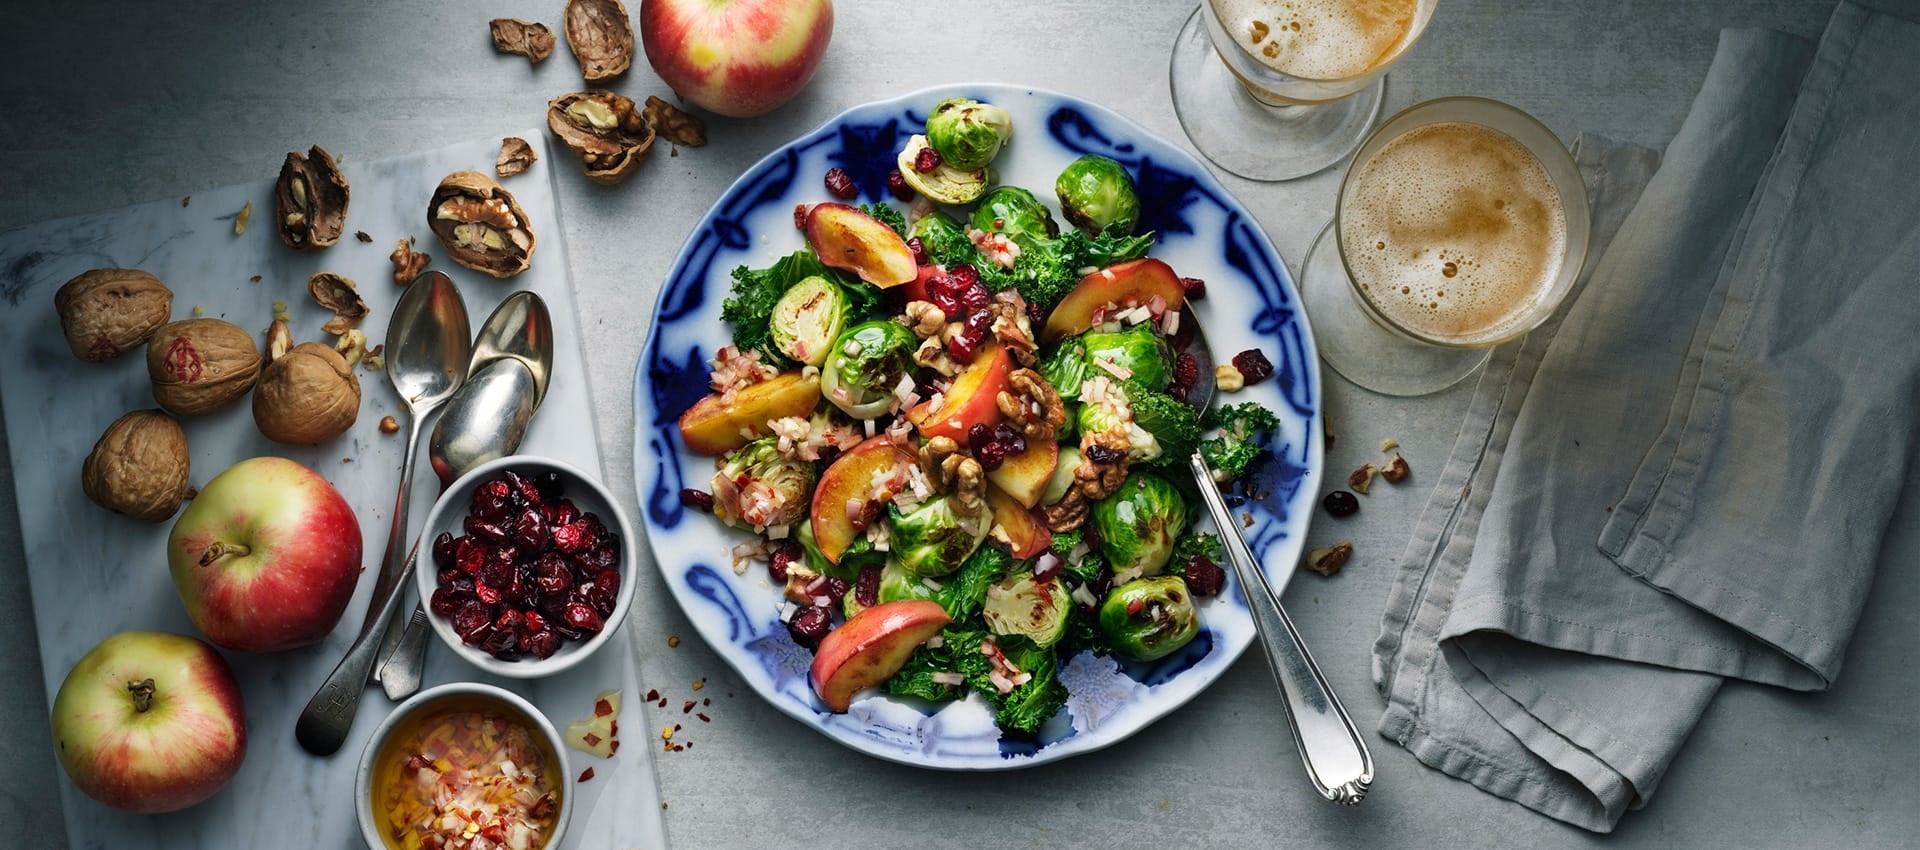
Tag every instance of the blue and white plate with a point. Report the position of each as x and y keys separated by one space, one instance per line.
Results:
x=1203 y=232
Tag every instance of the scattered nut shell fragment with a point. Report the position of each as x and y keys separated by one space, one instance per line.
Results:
x=1329 y=560
x=279 y=340
x=600 y=34
x=338 y=294
x=139 y=467
x=310 y=200
x=241 y=218
x=389 y=425
x=407 y=263
x=307 y=396
x=352 y=346
x=604 y=130
x=515 y=156
x=522 y=38
x=674 y=124
x=481 y=225
x=1396 y=469
x=200 y=365
x=1361 y=479
x=105 y=312
x=1389 y=444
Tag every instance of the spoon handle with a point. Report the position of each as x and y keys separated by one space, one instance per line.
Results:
x=1335 y=755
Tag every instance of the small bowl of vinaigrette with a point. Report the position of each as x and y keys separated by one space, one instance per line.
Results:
x=464 y=766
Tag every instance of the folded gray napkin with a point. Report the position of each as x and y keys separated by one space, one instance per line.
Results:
x=1688 y=473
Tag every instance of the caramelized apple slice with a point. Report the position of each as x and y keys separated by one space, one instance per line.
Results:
x=1134 y=282
x=1024 y=476
x=851 y=478
x=846 y=238
x=713 y=426
x=972 y=400
x=872 y=646
x=1016 y=526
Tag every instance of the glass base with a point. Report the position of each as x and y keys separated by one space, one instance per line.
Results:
x=1254 y=139
x=1357 y=347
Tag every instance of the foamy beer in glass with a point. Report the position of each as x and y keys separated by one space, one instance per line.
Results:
x=1312 y=51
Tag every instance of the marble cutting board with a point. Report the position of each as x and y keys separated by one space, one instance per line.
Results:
x=94 y=573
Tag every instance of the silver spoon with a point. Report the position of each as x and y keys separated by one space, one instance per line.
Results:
x=428 y=346
x=512 y=359
x=1336 y=756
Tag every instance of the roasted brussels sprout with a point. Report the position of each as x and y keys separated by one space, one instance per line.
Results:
x=968 y=133
x=1035 y=610
x=758 y=488
x=945 y=184
x=897 y=583
x=934 y=539
x=1150 y=618
x=1115 y=412
x=1062 y=479
x=1138 y=524
x=1065 y=367
x=807 y=319
x=1138 y=351
x=866 y=364
x=1017 y=213
x=1096 y=194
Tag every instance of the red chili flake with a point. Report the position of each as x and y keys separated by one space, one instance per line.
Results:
x=586 y=774
x=613 y=727
x=602 y=708
x=612 y=748
x=688 y=707
x=663 y=702
x=591 y=739
x=1134 y=605
x=704 y=718
x=652 y=694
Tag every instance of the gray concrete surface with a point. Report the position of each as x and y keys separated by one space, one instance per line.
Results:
x=111 y=103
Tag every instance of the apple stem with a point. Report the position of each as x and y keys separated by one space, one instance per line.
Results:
x=221 y=550
x=142 y=695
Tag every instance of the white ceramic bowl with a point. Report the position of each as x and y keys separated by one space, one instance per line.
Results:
x=429 y=699
x=587 y=494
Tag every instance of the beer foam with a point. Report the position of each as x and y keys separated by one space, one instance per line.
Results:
x=1319 y=39
x=1454 y=231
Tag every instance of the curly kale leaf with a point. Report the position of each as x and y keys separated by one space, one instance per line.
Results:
x=887 y=216
x=1241 y=428
x=1174 y=424
x=1194 y=543
x=916 y=678
x=1024 y=709
x=966 y=590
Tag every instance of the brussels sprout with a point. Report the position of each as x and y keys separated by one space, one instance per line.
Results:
x=945 y=184
x=865 y=366
x=757 y=487
x=1062 y=479
x=897 y=583
x=1138 y=524
x=934 y=539
x=1094 y=418
x=1096 y=194
x=1065 y=367
x=1138 y=350
x=1148 y=619
x=807 y=319
x=1017 y=213
x=1035 y=610
x=968 y=133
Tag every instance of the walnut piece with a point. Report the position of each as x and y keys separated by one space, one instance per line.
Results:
x=674 y=124
x=389 y=425
x=1396 y=469
x=1093 y=479
x=351 y=346
x=522 y=38
x=1329 y=560
x=601 y=37
x=279 y=340
x=1227 y=378
x=1012 y=327
x=515 y=156
x=307 y=396
x=337 y=293
x=105 y=312
x=481 y=225
x=933 y=354
x=407 y=263
x=799 y=578
x=1031 y=405
x=604 y=130
x=1361 y=479
x=200 y=365
x=1389 y=444
x=933 y=454
x=310 y=200
x=924 y=319
x=139 y=467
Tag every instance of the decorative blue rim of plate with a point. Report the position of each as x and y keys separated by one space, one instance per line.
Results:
x=1202 y=232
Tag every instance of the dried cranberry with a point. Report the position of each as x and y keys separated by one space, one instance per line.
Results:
x=470 y=618
x=448 y=575
x=608 y=580
x=897 y=184
x=447 y=602
x=1186 y=370
x=1104 y=454
x=490 y=500
x=840 y=183
x=965 y=276
x=549 y=485
x=599 y=557
x=552 y=574
x=1341 y=503
x=562 y=512
x=926 y=160
x=496 y=572
x=866 y=590
x=519 y=588
x=572 y=537
x=523 y=490
x=580 y=615
x=835 y=588
x=1046 y=567
x=799 y=216
x=976 y=298
x=501 y=644
x=809 y=624
x=991 y=456
x=1204 y=577
x=961 y=348
x=979 y=437
x=1196 y=288
x=508 y=621
x=918 y=248
x=947 y=303
x=786 y=556
x=487 y=532
x=542 y=644
x=1177 y=392
x=443 y=550
x=1013 y=440
x=530 y=532
x=1253 y=366
x=486 y=593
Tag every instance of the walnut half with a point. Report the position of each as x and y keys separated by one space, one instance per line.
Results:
x=604 y=130
x=310 y=200
x=481 y=225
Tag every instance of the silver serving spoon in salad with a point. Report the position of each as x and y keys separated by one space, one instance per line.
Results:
x=1336 y=756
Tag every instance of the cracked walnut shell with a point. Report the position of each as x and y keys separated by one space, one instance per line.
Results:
x=522 y=38
x=308 y=395
x=481 y=225
x=310 y=200
x=604 y=130
x=104 y=312
x=139 y=467
x=515 y=156
x=601 y=37
x=200 y=365
x=674 y=124
x=337 y=293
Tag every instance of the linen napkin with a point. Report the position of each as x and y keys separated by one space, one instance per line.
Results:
x=1689 y=472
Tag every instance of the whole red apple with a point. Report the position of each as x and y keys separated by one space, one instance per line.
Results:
x=736 y=57
x=266 y=556
x=150 y=722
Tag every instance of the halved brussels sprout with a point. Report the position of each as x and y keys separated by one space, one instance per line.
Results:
x=1094 y=418
x=945 y=184
x=1035 y=610
x=758 y=488
x=1096 y=193
x=934 y=539
x=1065 y=367
x=1017 y=213
x=1138 y=524
x=1062 y=479
x=968 y=133
x=935 y=226
x=864 y=367
x=1150 y=618
x=897 y=583
x=807 y=319
x=1138 y=350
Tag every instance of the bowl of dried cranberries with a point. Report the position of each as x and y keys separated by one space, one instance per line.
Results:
x=529 y=566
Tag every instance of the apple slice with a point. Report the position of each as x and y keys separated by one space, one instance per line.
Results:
x=1024 y=476
x=846 y=238
x=916 y=289
x=872 y=646
x=1016 y=526
x=851 y=477
x=712 y=426
x=1133 y=282
x=972 y=400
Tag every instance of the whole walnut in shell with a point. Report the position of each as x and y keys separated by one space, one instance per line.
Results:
x=139 y=466
x=107 y=311
x=200 y=365
x=308 y=395
x=481 y=225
